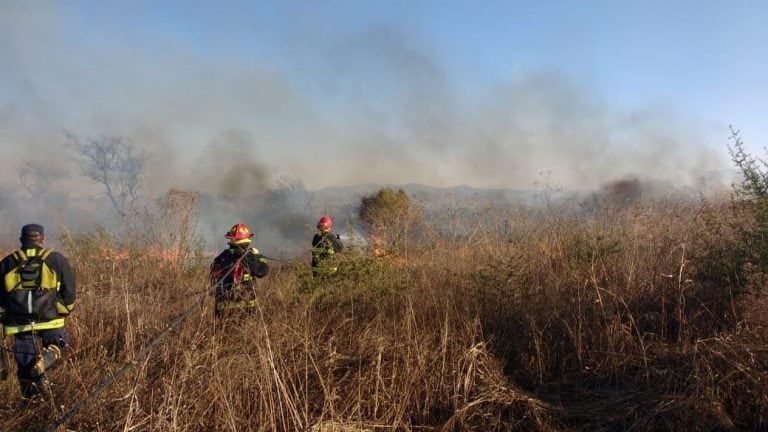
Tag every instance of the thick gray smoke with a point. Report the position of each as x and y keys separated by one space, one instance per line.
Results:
x=372 y=105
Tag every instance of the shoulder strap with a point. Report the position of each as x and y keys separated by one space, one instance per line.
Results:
x=44 y=253
x=19 y=256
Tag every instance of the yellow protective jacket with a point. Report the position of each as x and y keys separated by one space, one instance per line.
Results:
x=38 y=289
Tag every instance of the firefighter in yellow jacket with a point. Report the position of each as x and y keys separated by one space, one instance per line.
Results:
x=38 y=292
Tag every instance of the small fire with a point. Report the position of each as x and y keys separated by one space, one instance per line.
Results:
x=114 y=255
x=379 y=251
x=167 y=255
x=155 y=252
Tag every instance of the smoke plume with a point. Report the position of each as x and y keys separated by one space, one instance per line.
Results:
x=363 y=105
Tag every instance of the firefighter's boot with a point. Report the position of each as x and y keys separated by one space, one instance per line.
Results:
x=30 y=388
x=48 y=358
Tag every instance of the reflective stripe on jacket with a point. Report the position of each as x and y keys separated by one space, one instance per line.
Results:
x=227 y=304
x=324 y=247
x=10 y=329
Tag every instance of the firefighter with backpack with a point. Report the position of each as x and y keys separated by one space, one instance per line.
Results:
x=233 y=271
x=37 y=294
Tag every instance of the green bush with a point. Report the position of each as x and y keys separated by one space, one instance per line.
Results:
x=751 y=194
x=393 y=220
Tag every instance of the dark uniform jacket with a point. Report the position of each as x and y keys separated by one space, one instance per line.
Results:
x=235 y=267
x=324 y=245
x=24 y=306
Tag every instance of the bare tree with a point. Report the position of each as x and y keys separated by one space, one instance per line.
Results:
x=114 y=163
x=36 y=179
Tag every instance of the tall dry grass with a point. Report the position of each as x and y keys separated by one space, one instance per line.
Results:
x=640 y=317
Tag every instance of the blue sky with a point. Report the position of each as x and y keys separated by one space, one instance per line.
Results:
x=487 y=94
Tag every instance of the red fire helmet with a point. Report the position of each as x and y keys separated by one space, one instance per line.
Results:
x=325 y=223
x=239 y=233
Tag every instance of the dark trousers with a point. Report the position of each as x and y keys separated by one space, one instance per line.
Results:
x=25 y=350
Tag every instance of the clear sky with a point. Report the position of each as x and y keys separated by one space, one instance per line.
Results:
x=486 y=94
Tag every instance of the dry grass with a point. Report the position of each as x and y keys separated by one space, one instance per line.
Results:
x=633 y=318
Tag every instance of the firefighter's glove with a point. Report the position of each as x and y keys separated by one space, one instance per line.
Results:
x=63 y=309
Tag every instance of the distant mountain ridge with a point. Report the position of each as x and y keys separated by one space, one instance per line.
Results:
x=346 y=199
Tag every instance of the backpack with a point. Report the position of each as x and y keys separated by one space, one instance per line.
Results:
x=222 y=270
x=32 y=287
